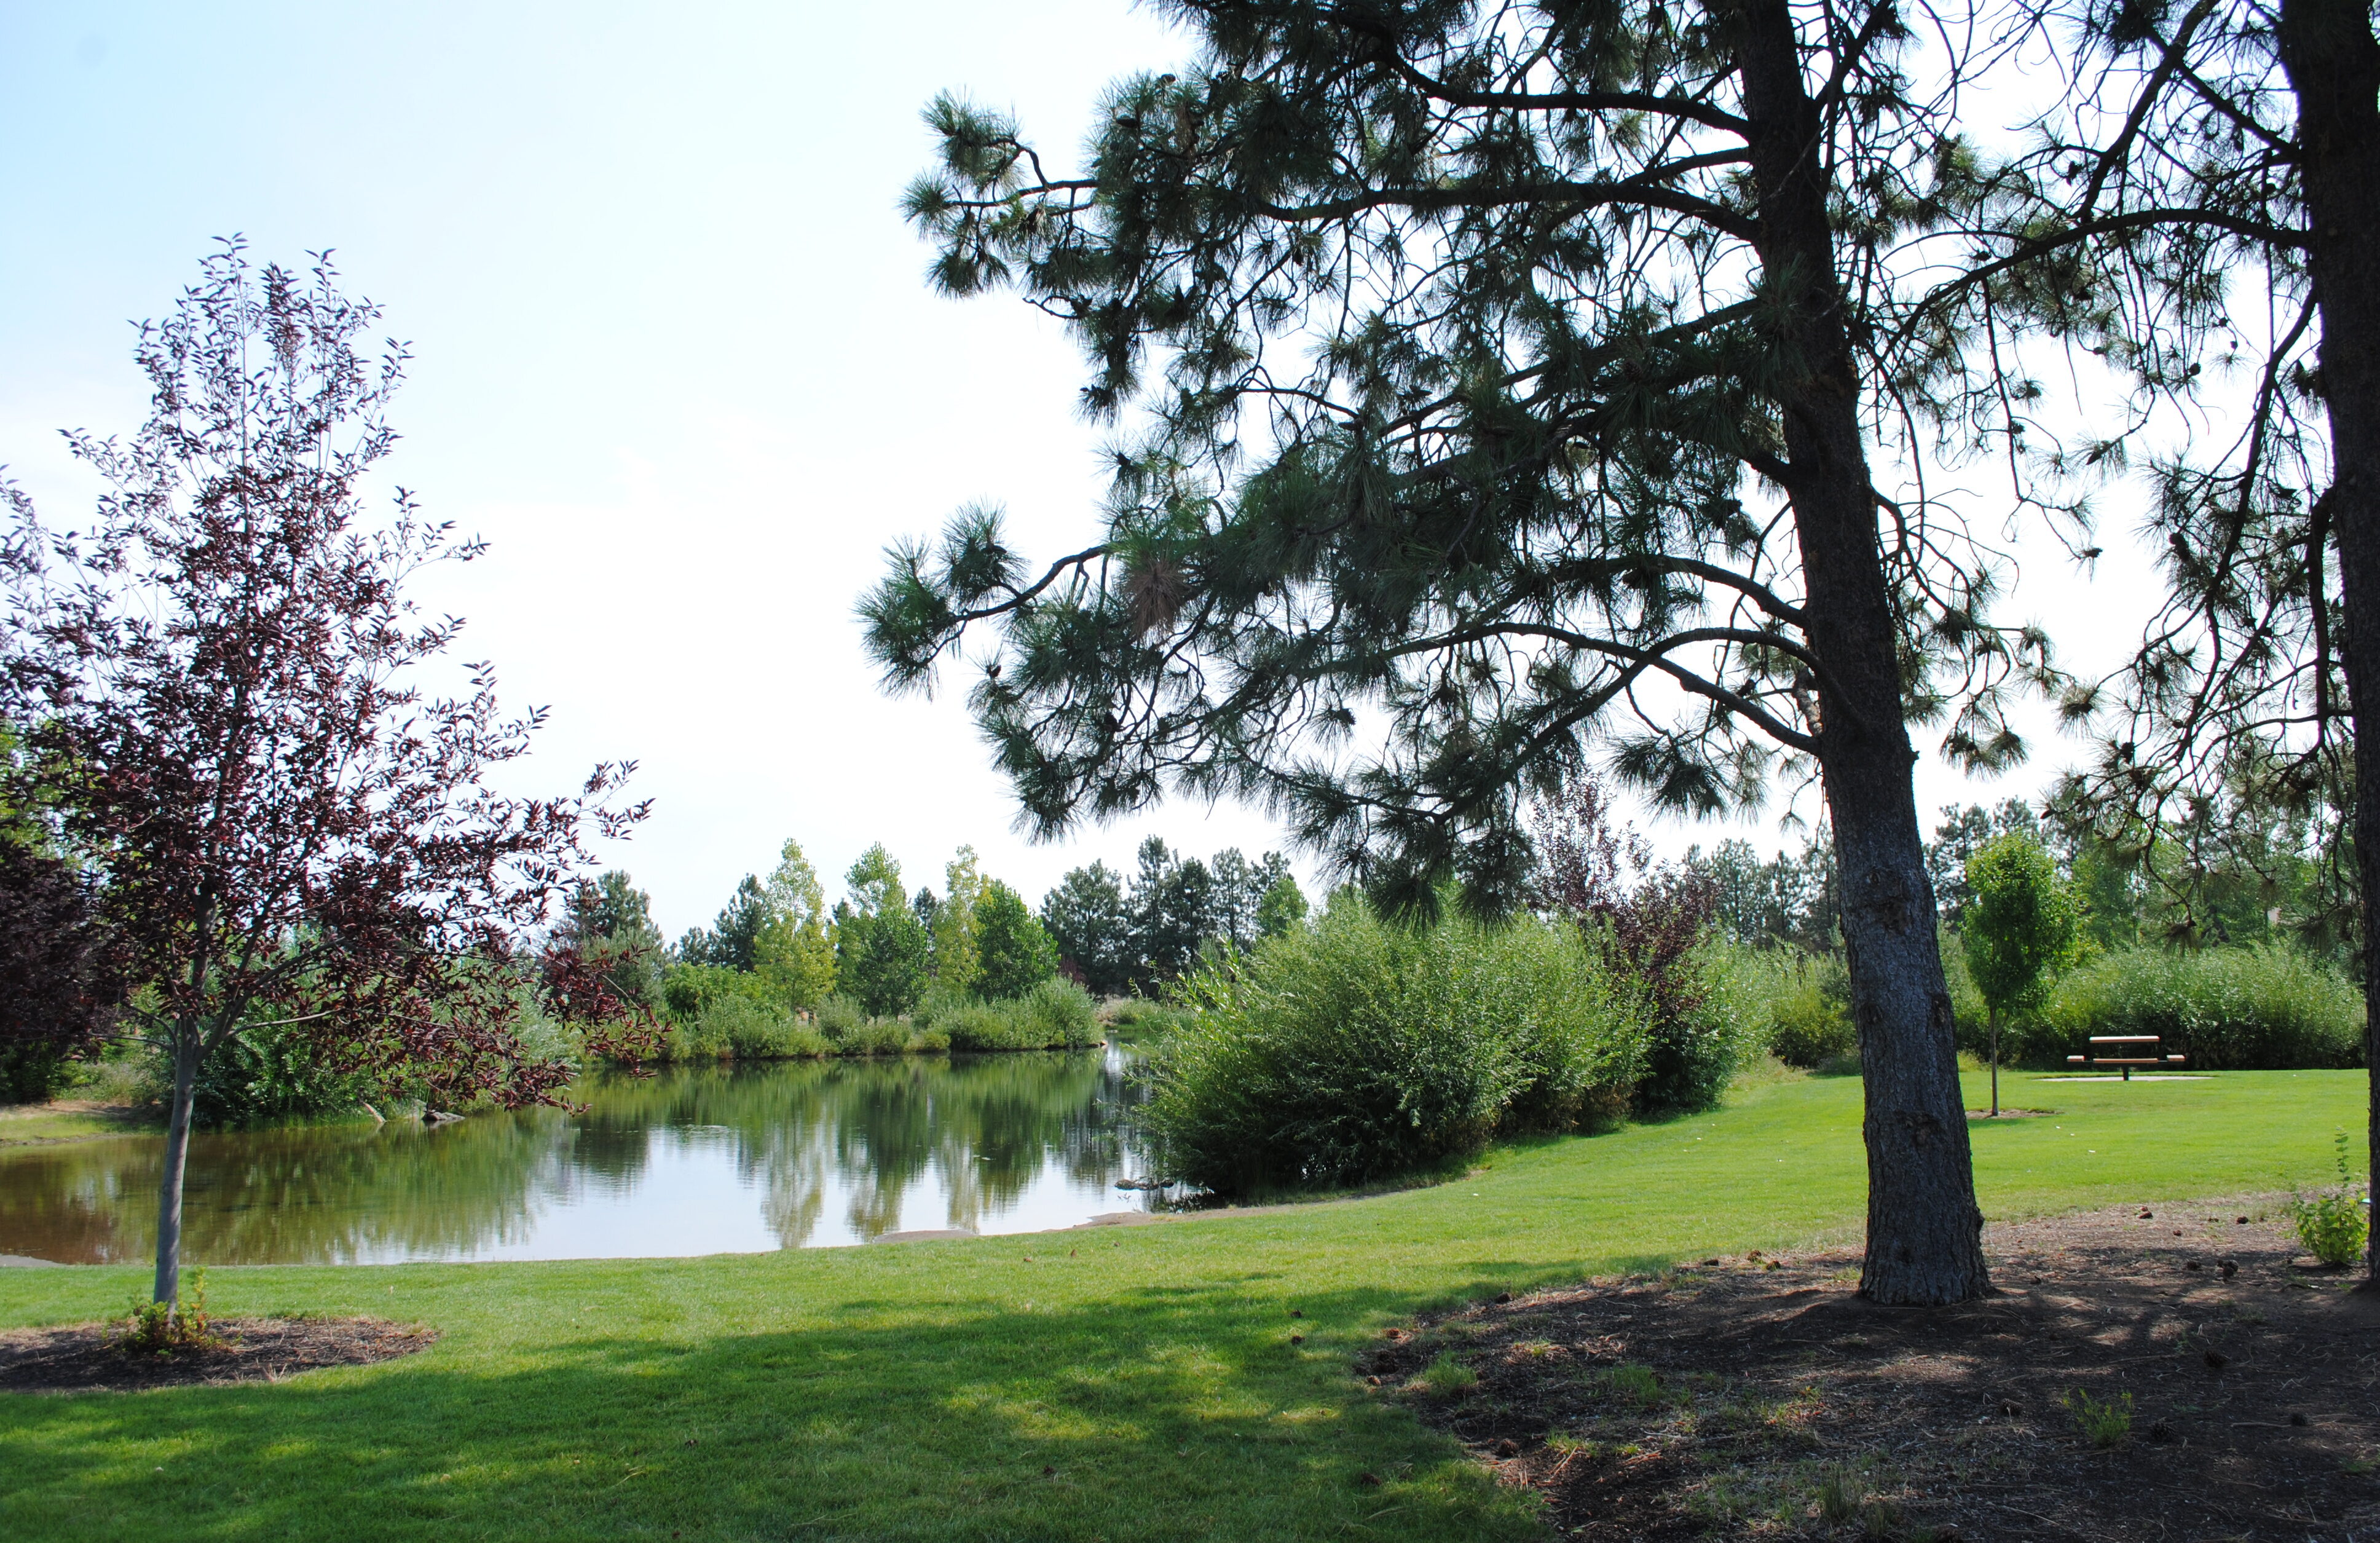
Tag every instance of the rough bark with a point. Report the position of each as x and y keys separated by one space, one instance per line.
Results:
x=1924 y=1232
x=178 y=1150
x=2333 y=61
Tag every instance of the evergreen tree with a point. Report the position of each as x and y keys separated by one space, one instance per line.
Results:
x=1172 y=912
x=1016 y=953
x=730 y=942
x=1459 y=337
x=2223 y=153
x=609 y=923
x=1089 y=921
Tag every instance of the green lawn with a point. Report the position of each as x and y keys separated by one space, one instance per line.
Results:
x=1125 y=1384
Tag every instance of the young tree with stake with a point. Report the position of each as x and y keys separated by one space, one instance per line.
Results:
x=2020 y=926
x=1507 y=381
x=214 y=676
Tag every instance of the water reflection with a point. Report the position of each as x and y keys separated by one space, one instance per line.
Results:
x=689 y=1161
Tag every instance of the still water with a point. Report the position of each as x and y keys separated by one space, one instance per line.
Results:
x=787 y=1155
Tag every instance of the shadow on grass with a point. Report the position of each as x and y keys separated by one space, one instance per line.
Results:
x=1158 y=1413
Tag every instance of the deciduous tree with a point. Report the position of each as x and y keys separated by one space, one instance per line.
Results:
x=282 y=827
x=1017 y=953
x=2020 y=926
x=794 y=951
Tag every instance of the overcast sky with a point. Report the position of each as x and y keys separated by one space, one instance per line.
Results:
x=675 y=360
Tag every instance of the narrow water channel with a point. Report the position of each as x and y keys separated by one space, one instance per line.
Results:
x=719 y=1160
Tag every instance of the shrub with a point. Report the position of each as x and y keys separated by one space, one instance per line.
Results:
x=689 y=991
x=263 y=1074
x=1062 y=1012
x=1138 y=1018
x=1054 y=1015
x=1355 y=1050
x=1795 y=1003
x=2333 y=1223
x=2228 y=1009
x=162 y=1328
x=745 y=1028
x=32 y=1072
x=837 y=1016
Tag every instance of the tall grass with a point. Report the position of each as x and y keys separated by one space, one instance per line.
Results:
x=2228 y=1009
x=1357 y=1049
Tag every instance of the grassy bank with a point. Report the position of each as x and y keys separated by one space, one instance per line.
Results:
x=1112 y=1383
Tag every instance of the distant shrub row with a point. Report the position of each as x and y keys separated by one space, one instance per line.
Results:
x=1359 y=1049
x=2226 y=1009
x=714 y=1018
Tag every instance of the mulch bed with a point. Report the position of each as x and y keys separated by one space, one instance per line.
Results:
x=1762 y=1398
x=84 y=1359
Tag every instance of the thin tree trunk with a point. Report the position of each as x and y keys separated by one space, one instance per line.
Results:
x=2334 y=65
x=1924 y=1232
x=1994 y=1013
x=178 y=1151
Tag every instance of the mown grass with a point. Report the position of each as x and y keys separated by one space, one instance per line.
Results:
x=1114 y=1383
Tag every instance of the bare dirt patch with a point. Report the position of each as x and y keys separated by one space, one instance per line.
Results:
x=83 y=1357
x=1762 y=1398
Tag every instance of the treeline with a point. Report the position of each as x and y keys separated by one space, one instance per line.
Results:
x=782 y=972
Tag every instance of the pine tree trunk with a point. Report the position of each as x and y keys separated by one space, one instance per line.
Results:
x=1924 y=1233
x=177 y=1152
x=2333 y=66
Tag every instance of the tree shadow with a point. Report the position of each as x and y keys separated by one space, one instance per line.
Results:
x=1158 y=1412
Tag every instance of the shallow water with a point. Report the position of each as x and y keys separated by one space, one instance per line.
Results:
x=722 y=1160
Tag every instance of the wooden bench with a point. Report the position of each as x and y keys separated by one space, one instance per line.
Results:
x=2124 y=1051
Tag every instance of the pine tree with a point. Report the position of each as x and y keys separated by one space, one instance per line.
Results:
x=2210 y=199
x=1470 y=353
x=1089 y=921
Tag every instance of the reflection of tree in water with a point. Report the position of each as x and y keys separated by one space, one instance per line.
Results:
x=985 y=1126
x=333 y=1194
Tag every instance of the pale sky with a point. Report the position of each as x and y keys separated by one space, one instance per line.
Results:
x=675 y=360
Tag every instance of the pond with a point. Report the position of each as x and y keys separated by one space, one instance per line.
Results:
x=719 y=1160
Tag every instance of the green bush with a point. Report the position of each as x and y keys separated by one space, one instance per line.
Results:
x=1357 y=1049
x=1796 y=1004
x=1054 y=1015
x=32 y=1073
x=746 y=1030
x=1133 y=1019
x=1062 y=1012
x=264 y=1075
x=2229 y=1009
x=690 y=990
x=2333 y=1223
